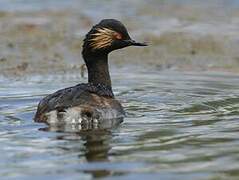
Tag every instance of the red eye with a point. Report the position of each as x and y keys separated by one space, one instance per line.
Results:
x=118 y=36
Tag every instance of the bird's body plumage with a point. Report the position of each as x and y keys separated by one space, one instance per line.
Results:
x=90 y=101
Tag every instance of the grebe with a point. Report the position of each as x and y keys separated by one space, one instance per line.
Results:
x=92 y=101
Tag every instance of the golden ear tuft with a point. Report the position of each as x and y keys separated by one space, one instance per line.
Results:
x=102 y=38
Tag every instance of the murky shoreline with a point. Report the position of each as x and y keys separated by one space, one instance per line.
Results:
x=182 y=36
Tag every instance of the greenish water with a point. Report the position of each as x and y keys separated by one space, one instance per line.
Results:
x=178 y=126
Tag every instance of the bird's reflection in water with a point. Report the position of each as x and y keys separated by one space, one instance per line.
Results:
x=96 y=141
x=97 y=146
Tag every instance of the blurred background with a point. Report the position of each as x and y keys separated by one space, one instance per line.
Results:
x=189 y=35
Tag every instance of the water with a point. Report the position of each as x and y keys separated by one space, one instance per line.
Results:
x=29 y=5
x=178 y=126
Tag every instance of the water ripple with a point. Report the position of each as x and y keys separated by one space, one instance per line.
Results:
x=177 y=125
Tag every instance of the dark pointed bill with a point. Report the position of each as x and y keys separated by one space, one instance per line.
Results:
x=134 y=43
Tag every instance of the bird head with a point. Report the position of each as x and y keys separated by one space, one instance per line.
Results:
x=106 y=36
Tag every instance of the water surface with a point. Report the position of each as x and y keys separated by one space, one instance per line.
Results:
x=178 y=126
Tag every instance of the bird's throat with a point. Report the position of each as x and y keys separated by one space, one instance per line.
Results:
x=98 y=70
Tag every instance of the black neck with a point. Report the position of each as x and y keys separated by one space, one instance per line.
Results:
x=98 y=70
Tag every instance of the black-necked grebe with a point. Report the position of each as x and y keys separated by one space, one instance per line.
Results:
x=94 y=100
